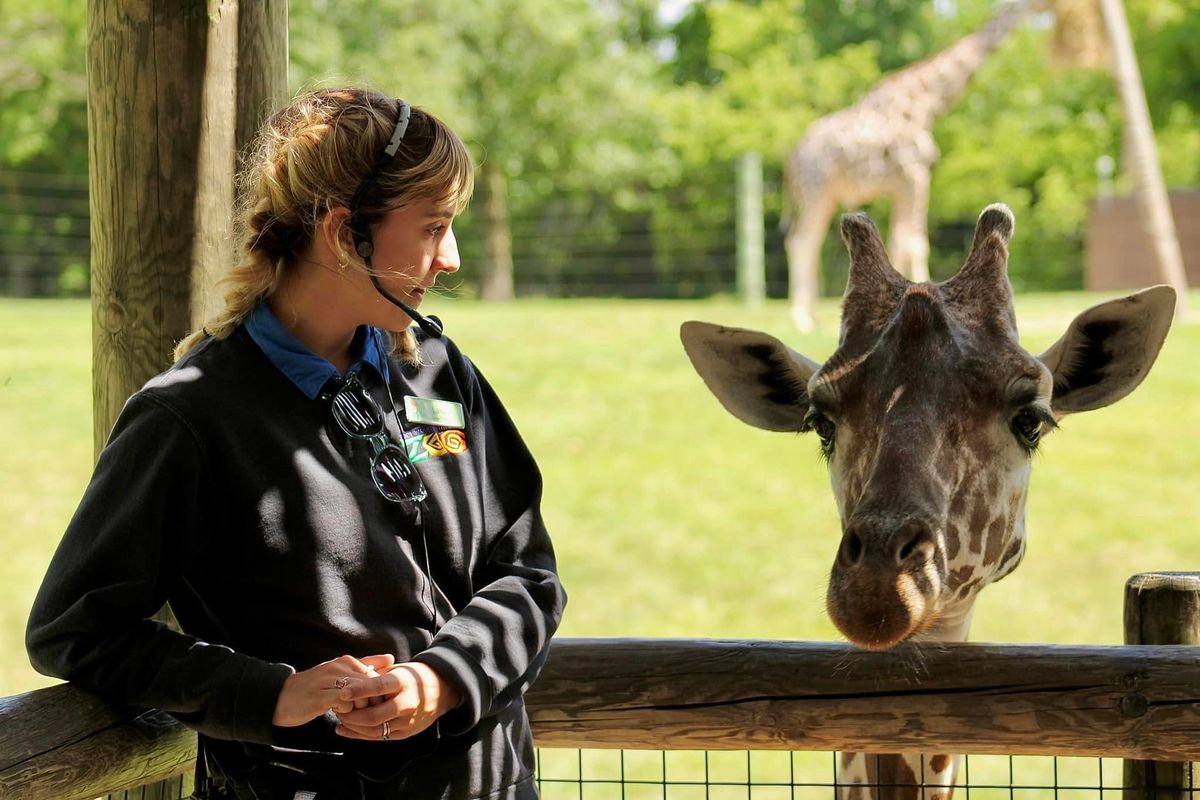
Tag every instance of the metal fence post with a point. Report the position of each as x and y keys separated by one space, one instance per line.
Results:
x=1161 y=608
x=751 y=247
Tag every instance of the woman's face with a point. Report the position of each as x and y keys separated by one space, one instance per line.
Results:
x=413 y=246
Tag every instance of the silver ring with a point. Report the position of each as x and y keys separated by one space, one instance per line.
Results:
x=341 y=683
x=387 y=731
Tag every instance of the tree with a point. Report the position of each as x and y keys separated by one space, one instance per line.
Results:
x=1143 y=164
x=589 y=106
x=1024 y=133
x=546 y=91
x=43 y=85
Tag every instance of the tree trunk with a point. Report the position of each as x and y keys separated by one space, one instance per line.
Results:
x=497 y=282
x=1149 y=190
x=172 y=90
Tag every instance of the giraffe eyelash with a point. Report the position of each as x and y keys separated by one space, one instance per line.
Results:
x=1029 y=424
x=825 y=428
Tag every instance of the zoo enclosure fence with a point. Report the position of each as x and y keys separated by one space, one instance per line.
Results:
x=679 y=244
x=692 y=719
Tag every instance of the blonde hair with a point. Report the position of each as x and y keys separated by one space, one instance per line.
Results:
x=309 y=158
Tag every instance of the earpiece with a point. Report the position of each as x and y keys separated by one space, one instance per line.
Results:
x=361 y=233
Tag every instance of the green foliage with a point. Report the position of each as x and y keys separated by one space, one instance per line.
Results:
x=904 y=31
x=691 y=38
x=43 y=85
x=773 y=82
x=1179 y=146
x=557 y=94
x=1167 y=39
x=546 y=88
x=1029 y=137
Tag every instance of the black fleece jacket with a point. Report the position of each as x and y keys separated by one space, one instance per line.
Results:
x=226 y=492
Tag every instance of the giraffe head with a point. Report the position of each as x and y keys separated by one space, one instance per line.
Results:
x=929 y=412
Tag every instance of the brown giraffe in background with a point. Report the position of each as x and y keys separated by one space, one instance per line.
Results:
x=882 y=146
x=929 y=412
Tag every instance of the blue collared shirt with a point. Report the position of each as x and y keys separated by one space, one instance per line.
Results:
x=303 y=367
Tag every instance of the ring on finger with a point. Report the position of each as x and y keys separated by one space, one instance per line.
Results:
x=341 y=683
x=387 y=731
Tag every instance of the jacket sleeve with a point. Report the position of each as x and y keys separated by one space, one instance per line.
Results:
x=495 y=647
x=142 y=517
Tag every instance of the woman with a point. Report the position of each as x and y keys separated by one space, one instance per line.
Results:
x=336 y=506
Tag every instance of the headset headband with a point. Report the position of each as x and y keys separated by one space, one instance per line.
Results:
x=361 y=232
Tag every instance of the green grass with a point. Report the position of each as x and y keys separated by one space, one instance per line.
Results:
x=670 y=517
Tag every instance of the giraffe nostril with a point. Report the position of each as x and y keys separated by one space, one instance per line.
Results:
x=916 y=543
x=851 y=551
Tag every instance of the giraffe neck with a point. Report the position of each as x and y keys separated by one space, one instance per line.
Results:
x=930 y=87
x=909 y=776
x=896 y=777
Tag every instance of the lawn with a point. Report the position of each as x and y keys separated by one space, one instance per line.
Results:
x=670 y=517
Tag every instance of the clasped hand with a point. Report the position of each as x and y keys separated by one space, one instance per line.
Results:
x=373 y=697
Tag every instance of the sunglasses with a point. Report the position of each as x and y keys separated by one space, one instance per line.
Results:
x=360 y=417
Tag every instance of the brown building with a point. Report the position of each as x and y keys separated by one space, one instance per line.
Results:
x=1117 y=250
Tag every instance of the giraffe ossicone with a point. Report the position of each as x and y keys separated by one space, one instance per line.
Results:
x=928 y=413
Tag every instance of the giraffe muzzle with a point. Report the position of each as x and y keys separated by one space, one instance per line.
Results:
x=885 y=582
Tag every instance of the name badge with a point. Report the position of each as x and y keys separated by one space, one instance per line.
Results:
x=443 y=413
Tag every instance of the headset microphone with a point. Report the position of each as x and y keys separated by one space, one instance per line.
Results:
x=361 y=231
x=430 y=325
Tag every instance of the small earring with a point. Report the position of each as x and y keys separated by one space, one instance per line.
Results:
x=343 y=261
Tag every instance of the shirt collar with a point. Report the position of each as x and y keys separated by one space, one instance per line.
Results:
x=308 y=371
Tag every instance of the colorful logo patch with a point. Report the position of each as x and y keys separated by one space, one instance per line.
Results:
x=422 y=445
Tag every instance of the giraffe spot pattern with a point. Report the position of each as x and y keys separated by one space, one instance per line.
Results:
x=997 y=531
x=978 y=523
x=958 y=577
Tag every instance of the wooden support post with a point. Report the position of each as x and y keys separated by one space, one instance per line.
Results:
x=751 y=280
x=1162 y=608
x=172 y=90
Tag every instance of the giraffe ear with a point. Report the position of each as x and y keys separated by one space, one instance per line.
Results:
x=758 y=379
x=1109 y=349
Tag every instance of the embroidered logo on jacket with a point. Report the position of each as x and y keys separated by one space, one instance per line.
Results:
x=423 y=444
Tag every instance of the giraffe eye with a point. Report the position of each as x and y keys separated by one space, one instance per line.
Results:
x=824 y=428
x=1027 y=425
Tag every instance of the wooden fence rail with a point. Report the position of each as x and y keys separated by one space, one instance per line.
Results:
x=1138 y=702
x=1131 y=702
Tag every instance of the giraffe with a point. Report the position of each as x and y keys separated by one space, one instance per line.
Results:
x=928 y=414
x=882 y=146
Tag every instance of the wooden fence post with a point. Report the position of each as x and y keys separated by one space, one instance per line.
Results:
x=1161 y=608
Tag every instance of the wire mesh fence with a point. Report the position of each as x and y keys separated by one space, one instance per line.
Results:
x=783 y=775
x=44 y=236
x=680 y=243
